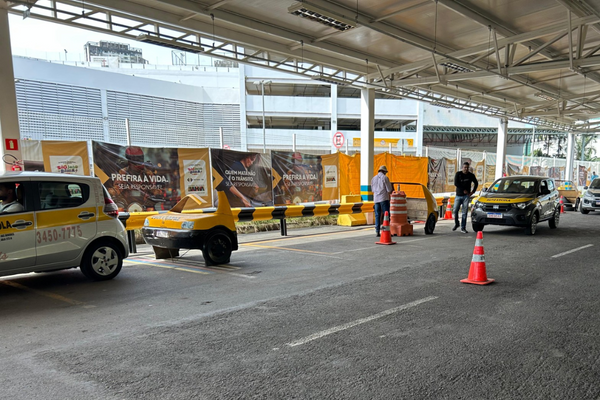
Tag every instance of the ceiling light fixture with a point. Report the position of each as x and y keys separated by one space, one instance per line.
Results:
x=328 y=79
x=320 y=15
x=172 y=44
x=456 y=67
x=546 y=96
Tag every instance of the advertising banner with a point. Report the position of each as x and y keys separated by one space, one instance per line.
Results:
x=331 y=176
x=138 y=178
x=245 y=177
x=437 y=175
x=298 y=177
x=66 y=157
x=582 y=176
x=195 y=173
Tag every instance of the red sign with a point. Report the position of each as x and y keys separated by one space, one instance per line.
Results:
x=338 y=140
x=11 y=144
x=226 y=146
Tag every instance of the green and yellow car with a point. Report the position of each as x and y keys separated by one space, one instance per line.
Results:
x=212 y=232
x=518 y=201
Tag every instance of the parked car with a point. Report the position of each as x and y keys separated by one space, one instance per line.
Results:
x=61 y=221
x=590 y=200
x=212 y=231
x=518 y=201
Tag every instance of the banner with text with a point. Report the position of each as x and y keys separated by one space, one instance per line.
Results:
x=138 y=178
x=245 y=177
x=297 y=177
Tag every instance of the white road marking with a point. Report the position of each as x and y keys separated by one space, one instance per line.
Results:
x=349 y=325
x=572 y=251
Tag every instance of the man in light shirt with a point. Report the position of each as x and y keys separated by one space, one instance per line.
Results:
x=8 y=199
x=381 y=187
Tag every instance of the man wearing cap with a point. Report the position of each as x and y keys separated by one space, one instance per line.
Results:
x=381 y=187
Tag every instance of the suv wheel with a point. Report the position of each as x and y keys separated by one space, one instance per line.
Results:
x=581 y=208
x=477 y=227
x=553 y=222
x=531 y=228
x=102 y=261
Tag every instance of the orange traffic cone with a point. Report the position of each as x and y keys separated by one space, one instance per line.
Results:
x=477 y=274
x=386 y=236
x=448 y=214
x=562 y=205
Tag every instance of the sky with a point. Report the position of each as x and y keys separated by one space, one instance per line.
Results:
x=39 y=39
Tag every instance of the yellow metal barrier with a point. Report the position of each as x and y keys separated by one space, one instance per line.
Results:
x=135 y=220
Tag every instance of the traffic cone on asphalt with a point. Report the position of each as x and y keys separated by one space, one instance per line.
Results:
x=386 y=236
x=562 y=205
x=477 y=274
x=448 y=214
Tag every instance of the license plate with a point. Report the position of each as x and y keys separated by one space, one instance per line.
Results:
x=162 y=234
x=598 y=204
x=494 y=215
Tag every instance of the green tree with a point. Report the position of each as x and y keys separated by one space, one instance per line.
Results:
x=589 y=151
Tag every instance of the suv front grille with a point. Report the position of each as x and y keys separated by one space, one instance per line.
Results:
x=495 y=207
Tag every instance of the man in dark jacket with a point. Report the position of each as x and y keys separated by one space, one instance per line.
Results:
x=466 y=184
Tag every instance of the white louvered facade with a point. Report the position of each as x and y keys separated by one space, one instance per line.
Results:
x=86 y=106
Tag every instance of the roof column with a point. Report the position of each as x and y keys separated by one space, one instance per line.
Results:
x=419 y=131
x=570 y=156
x=334 y=111
x=501 y=146
x=9 y=117
x=367 y=140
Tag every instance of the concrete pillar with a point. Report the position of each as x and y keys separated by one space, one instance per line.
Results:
x=501 y=146
x=419 y=132
x=9 y=117
x=367 y=139
x=570 y=156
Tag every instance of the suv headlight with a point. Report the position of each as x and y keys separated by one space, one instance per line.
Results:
x=521 y=206
x=588 y=194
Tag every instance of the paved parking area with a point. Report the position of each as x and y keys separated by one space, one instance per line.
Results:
x=322 y=313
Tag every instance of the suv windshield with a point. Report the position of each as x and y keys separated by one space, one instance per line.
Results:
x=515 y=185
x=595 y=184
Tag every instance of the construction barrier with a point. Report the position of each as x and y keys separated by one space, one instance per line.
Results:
x=399 y=225
x=135 y=220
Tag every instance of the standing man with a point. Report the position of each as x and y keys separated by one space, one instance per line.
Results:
x=381 y=187
x=594 y=176
x=466 y=184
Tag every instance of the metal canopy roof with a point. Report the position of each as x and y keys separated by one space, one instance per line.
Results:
x=533 y=61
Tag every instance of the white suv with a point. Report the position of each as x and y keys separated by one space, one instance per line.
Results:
x=59 y=221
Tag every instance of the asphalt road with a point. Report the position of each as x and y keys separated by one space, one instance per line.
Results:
x=321 y=314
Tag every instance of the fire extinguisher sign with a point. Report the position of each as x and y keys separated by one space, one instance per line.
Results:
x=11 y=144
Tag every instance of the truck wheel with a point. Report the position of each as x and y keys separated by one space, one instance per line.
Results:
x=217 y=248
x=553 y=222
x=477 y=227
x=102 y=261
x=430 y=224
x=531 y=228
